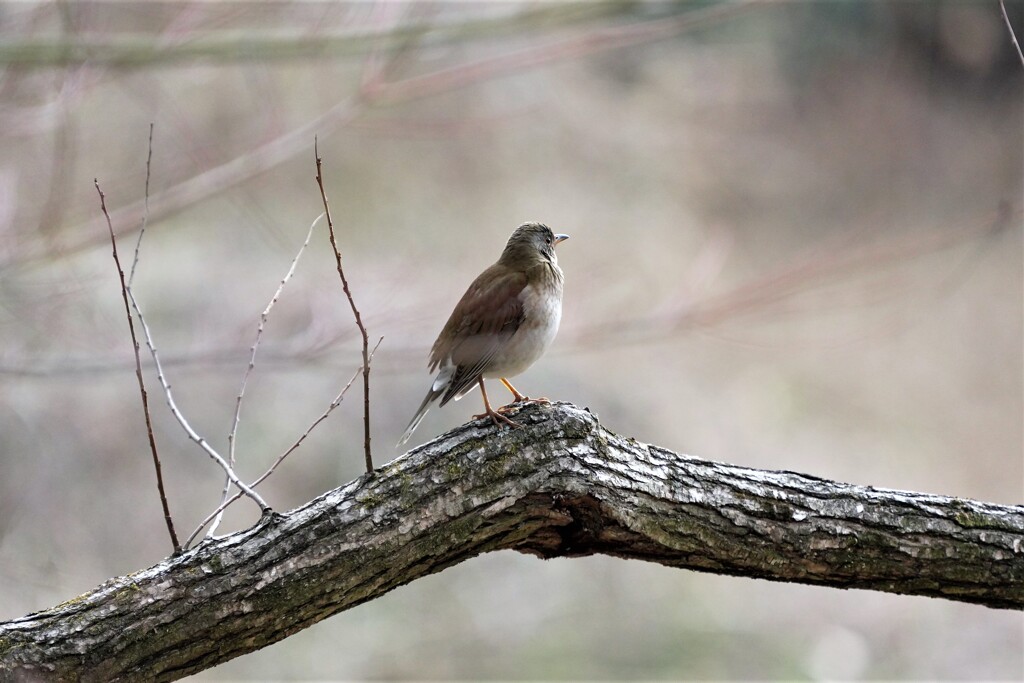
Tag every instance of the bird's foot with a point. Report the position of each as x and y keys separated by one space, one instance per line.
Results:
x=520 y=400
x=498 y=419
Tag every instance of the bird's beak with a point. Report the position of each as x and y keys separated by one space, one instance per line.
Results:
x=560 y=238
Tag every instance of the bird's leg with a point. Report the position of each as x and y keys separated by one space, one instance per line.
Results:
x=519 y=398
x=495 y=416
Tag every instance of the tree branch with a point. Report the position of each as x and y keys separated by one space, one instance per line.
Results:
x=562 y=486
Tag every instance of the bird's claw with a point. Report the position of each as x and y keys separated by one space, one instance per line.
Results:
x=497 y=418
x=524 y=400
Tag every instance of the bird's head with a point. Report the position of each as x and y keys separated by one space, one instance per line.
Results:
x=531 y=242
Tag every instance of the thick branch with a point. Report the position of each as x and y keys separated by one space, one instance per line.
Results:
x=562 y=486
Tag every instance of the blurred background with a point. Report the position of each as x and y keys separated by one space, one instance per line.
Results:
x=796 y=244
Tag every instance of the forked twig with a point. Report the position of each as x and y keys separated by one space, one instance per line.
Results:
x=252 y=363
x=216 y=514
x=355 y=311
x=138 y=374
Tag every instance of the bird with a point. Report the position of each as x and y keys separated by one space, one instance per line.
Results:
x=504 y=322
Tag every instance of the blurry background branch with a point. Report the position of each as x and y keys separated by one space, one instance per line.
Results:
x=817 y=269
x=277 y=151
x=563 y=486
x=128 y=50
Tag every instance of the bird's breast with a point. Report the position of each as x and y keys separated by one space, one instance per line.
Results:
x=542 y=313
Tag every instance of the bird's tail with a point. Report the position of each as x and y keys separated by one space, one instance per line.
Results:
x=432 y=396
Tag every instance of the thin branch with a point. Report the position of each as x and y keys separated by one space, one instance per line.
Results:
x=1013 y=36
x=138 y=375
x=334 y=404
x=270 y=470
x=355 y=311
x=248 y=370
x=203 y=443
x=145 y=210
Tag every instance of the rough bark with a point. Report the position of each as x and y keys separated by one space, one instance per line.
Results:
x=561 y=486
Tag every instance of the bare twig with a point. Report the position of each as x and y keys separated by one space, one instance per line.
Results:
x=145 y=210
x=355 y=311
x=1013 y=36
x=203 y=443
x=259 y=335
x=138 y=375
x=248 y=370
x=334 y=404
x=270 y=470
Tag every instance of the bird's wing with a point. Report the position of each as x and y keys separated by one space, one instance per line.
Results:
x=486 y=317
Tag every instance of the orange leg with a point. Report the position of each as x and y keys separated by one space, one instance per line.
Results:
x=495 y=416
x=519 y=398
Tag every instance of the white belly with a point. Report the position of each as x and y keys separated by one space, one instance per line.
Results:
x=540 y=325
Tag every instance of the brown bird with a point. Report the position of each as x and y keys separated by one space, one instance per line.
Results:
x=501 y=326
